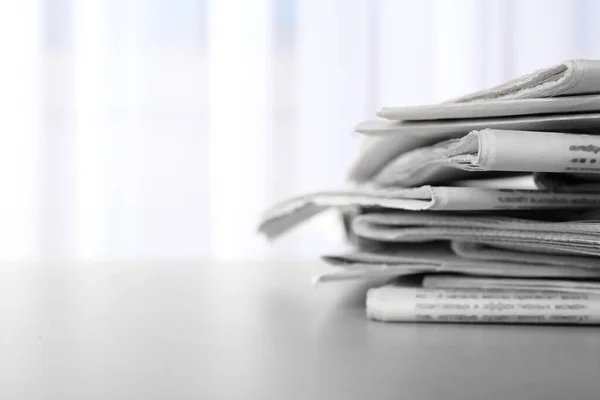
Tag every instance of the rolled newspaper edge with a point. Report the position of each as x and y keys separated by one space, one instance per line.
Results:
x=500 y=151
x=393 y=303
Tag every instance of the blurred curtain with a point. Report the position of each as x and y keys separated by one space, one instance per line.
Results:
x=160 y=129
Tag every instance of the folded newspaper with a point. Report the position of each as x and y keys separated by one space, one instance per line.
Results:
x=489 y=202
x=494 y=150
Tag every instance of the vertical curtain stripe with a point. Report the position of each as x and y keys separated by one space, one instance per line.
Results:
x=238 y=51
x=91 y=100
x=20 y=128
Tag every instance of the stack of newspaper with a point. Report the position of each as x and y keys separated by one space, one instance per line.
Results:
x=487 y=206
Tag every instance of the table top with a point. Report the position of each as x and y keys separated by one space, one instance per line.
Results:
x=258 y=331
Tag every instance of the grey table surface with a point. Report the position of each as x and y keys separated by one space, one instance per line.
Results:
x=258 y=331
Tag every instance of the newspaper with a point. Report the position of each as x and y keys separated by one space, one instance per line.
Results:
x=541 y=245
x=404 y=136
x=579 y=237
x=578 y=123
x=429 y=165
x=378 y=260
x=423 y=221
x=367 y=265
x=379 y=151
x=369 y=272
x=493 y=108
x=469 y=282
x=454 y=253
x=522 y=255
x=529 y=94
x=288 y=214
x=394 y=303
x=572 y=77
x=495 y=150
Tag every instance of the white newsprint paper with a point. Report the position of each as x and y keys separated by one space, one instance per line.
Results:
x=493 y=108
x=445 y=129
x=365 y=264
x=568 y=78
x=498 y=151
x=573 y=237
x=476 y=282
x=394 y=303
x=285 y=215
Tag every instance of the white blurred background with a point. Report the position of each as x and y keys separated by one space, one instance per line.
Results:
x=160 y=129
